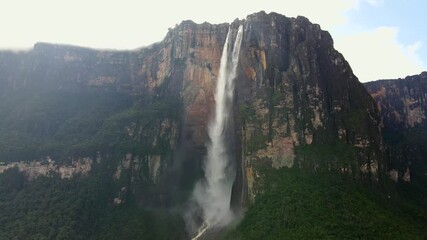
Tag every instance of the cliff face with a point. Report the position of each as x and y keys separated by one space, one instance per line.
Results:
x=295 y=98
x=299 y=99
x=403 y=108
x=402 y=102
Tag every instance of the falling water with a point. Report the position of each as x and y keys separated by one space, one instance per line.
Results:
x=213 y=194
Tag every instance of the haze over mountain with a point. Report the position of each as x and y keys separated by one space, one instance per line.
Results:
x=387 y=35
x=103 y=144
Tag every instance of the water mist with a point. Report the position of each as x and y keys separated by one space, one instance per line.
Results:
x=212 y=195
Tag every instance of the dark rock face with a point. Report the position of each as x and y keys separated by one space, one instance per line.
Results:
x=402 y=102
x=403 y=108
x=298 y=97
x=295 y=97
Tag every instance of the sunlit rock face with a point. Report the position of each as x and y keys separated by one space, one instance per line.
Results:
x=293 y=89
x=403 y=107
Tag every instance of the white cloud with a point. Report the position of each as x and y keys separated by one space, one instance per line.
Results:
x=411 y=51
x=413 y=48
x=132 y=23
x=378 y=55
x=375 y=2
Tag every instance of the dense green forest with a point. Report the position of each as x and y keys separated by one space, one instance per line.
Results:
x=80 y=208
x=300 y=205
x=295 y=205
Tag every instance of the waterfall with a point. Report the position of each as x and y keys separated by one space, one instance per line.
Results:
x=213 y=194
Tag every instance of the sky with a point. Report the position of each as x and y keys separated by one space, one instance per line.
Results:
x=381 y=39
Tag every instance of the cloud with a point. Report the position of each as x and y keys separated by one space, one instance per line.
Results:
x=377 y=54
x=375 y=2
x=131 y=23
x=414 y=47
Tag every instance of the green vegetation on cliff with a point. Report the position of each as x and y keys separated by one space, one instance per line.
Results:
x=67 y=123
x=40 y=123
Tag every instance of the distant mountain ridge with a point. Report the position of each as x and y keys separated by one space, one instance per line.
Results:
x=403 y=107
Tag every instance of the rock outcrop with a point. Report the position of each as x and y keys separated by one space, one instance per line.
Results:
x=296 y=97
x=48 y=167
x=402 y=102
x=403 y=107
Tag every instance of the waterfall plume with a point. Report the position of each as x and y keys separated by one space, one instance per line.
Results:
x=213 y=193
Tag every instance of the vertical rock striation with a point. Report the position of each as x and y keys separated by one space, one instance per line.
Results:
x=298 y=97
x=403 y=107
